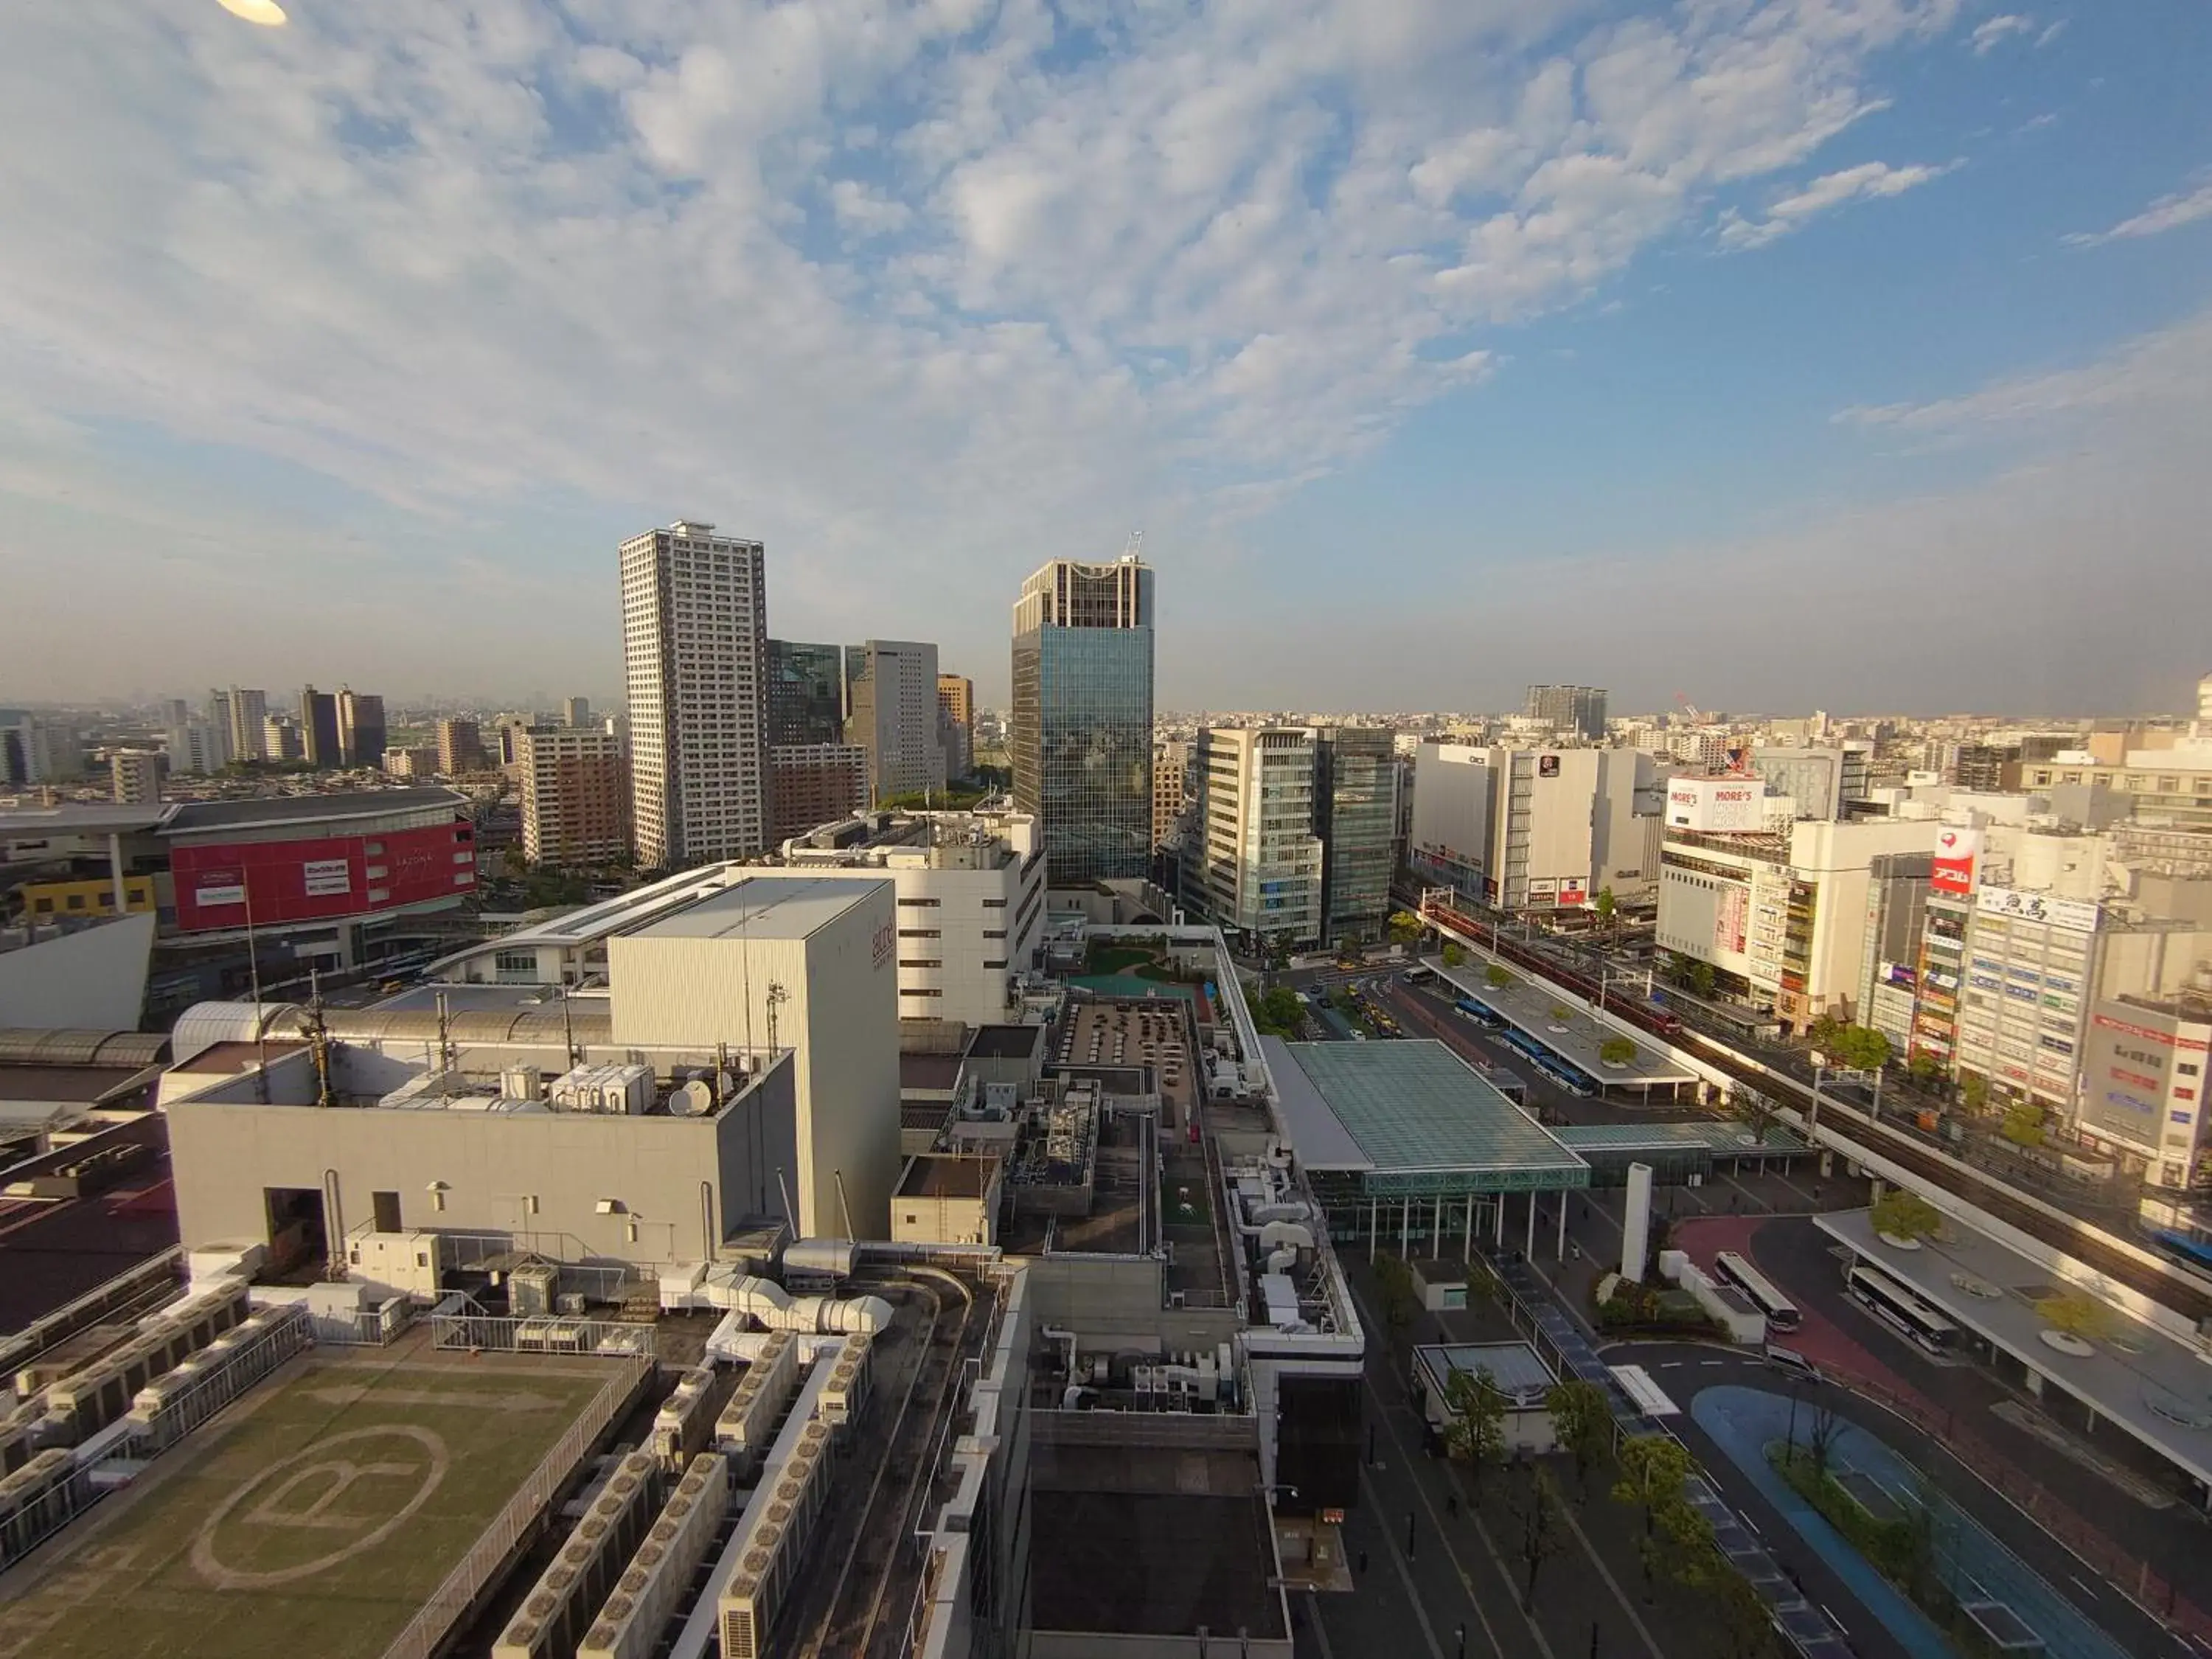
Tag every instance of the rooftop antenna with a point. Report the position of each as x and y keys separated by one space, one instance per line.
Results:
x=1135 y=547
x=254 y=973
x=319 y=1039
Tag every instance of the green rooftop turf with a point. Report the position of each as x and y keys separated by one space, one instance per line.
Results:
x=258 y=1536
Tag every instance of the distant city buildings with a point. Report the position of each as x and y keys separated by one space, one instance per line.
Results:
x=1082 y=724
x=891 y=712
x=695 y=661
x=361 y=728
x=1171 y=765
x=812 y=784
x=247 y=712
x=575 y=795
x=576 y=711
x=955 y=709
x=1577 y=708
x=320 y=741
x=461 y=746
x=1537 y=828
x=135 y=777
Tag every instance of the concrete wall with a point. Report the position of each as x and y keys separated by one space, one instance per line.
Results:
x=541 y=1173
x=840 y=1014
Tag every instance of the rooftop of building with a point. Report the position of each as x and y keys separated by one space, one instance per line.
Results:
x=53 y=1250
x=1533 y=1008
x=766 y=906
x=948 y=840
x=1514 y=1368
x=1152 y=1541
x=2141 y=1379
x=1412 y=1114
x=928 y=1073
x=1007 y=1042
x=947 y=1175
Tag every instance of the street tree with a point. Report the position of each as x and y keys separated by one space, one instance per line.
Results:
x=1454 y=953
x=1496 y=976
x=1902 y=1214
x=1925 y=1069
x=1743 y=1622
x=1689 y=1552
x=1822 y=1433
x=1476 y=1433
x=1582 y=1419
x=1861 y=1047
x=1394 y=1279
x=2023 y=1123
x=1653 y=1469
x=1974 y=1092
x=1755 y=1110
x=1543 y=1533
x=1404 y=928
x=1606 y=907
x=1704 y=979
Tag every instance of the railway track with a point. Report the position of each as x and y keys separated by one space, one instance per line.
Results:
x=2170 y=1287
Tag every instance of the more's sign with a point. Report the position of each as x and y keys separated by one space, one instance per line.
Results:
x=1716 y=806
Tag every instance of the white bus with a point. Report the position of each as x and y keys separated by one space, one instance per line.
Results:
x=1894 y=1305
x=1781 y=1312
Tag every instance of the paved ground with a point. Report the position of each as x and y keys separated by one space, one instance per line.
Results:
x=1953 y=1398
x=1432 y=1556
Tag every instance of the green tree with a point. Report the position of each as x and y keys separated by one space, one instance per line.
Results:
x=1543 y=1533
x=1653 y=1469
x=1703 y=979
x=1476 y=1433
x=1743 y=1621
x=1925 y=1069
x=1859 y=1047
x=1560 y=1013
x=1688 y=1553
x=1822 y=1433
x=2023 y=1124
x=1400 y=1301
x=1497 y=976
x=1404 y=928
x=1605 y=906
x=2077 y=1314
x=1454 y=956
x=1582 y=1420
x=1901 y=1214
x=1617 y=1051
x=1755 y=1110
x=1974 y=1091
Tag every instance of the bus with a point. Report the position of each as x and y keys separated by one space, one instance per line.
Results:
x=1481 y=1012
x=1418 y=975
x=1895 y=1306
x=1781 y=1312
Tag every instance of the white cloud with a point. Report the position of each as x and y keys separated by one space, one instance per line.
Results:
x=1865 y=182
x=2167 y=213
x=917 y=292
x=1992 y=32
x=2156 y=374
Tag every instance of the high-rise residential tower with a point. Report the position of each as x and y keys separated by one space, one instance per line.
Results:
x=1253 y=862
x=576 y=711
x=890 y=711
x=249 y=723
x=1082 y=729
x=694 y=656
x=956 y=708
x=575 y=794
x=361 y=728
x=319 y=728
x=1577 y=708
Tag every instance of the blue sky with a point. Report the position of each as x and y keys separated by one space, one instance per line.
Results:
x=1839 y=353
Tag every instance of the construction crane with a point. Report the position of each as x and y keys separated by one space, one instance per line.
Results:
x=1689 y=708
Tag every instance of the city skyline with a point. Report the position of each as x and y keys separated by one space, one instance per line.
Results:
x=1649 y=329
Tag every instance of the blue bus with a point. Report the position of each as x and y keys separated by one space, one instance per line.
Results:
x=1480 y=1013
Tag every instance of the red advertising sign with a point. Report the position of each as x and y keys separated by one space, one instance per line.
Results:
x=1573 y=895
x=271 y=882
x=1954 y=869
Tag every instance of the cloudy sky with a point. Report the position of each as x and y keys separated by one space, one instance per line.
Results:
x=1848 y=353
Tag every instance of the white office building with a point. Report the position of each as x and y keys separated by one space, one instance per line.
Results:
x=1252 y=863
x=695 y=654
x=1786 y=918
x=971 y=902
x=1541 y=828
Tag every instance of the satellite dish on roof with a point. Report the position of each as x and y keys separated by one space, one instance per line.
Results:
x=694 y=1099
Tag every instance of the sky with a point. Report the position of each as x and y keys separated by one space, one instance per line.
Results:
x=1847 y=353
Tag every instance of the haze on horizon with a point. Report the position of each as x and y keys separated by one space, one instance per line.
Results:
x=1854 y=354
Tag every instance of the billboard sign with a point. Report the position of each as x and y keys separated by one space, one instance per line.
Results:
x=1573 y=892
x=1548 y=766
x=2076 y=916
x=1956 y=850
x=325 y=876
x=1716 y=806
x=219 y=889
x=1732 y=920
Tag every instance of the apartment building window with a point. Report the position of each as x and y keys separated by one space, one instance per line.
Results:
x=1000 y=963
x=921 y=933
x=920 y=903
x=994 y=933
x=905 y=992
x=920 y=961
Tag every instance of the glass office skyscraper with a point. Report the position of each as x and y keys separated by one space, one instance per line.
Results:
x=1082 y=730
x=806 y=693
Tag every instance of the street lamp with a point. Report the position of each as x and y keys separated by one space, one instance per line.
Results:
x=1461 y=1633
